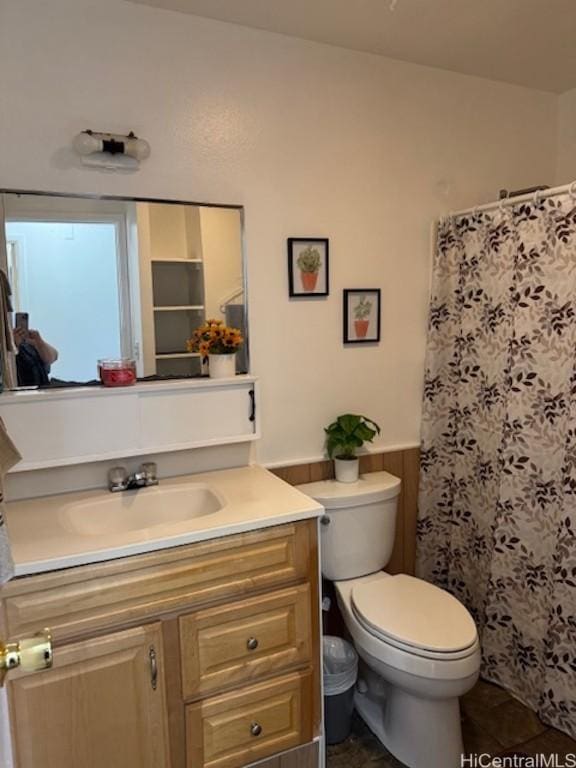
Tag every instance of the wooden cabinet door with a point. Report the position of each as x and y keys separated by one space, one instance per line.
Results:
x=102 y=705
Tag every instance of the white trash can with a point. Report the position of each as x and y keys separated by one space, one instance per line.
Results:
x=340 y=670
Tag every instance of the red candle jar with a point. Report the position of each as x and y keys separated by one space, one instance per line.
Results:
x=117 y=373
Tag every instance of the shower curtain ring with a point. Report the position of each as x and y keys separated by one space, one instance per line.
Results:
x=501 y=206
x=572 y=190
x=537 y=196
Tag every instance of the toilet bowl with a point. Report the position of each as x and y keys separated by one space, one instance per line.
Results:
x=413 y=674
x=418 y=645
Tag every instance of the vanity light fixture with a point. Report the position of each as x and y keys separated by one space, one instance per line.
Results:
x=111 y=151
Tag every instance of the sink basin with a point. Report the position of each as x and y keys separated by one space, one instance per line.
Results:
x=140 y=509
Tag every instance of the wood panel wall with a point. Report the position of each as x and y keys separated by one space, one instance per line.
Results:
x=405 y=465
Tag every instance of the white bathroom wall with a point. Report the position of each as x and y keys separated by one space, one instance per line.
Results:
x=566 y=160
x=313 y=140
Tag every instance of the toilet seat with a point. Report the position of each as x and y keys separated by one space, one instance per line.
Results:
x=415 y=617
x=429 y=665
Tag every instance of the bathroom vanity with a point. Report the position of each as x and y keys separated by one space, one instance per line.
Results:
x=190 y=643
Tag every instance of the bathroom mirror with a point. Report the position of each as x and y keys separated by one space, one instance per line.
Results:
x=104 y=278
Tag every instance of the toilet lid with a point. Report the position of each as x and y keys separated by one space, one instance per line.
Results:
x=411 y=612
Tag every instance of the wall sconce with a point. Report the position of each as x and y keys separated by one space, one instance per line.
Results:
x=111 y=151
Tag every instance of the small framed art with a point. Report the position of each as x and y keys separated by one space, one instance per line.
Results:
x=361 y=315
x=308 y=267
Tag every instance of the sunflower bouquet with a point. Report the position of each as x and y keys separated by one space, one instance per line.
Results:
x=215 y=338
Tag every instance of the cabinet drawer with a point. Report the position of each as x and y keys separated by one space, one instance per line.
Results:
x=235 y=729
x=91 y=597
x=237 y=643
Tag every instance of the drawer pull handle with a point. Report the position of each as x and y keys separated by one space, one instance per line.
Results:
x=255 y=729
x=153 y=667
x=252 y=644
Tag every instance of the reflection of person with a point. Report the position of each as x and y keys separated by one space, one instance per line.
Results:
x=34 y=358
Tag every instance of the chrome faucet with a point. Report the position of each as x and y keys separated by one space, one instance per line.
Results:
x=120 y=480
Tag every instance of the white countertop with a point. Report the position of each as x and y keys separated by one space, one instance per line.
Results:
x=252 y=498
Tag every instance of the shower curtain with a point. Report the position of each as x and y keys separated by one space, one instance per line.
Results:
x=497 y=520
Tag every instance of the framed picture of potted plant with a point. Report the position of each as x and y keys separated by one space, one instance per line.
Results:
x=308 y=266
x=361 y=315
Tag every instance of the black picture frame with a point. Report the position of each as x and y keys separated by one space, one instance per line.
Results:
x=352 y=334
x=296 y=285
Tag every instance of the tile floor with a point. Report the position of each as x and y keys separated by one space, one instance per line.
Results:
x=492 y=721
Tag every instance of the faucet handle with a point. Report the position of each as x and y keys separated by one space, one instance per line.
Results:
x=150 y=470
x=117 y=479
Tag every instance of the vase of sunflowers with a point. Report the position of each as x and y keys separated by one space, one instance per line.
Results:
x=217 y=343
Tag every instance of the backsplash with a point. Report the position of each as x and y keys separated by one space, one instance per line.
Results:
x=83 y=477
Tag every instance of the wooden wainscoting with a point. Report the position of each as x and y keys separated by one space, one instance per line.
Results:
x=405 y=465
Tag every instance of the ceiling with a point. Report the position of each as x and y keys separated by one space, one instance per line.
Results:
x=528 y=42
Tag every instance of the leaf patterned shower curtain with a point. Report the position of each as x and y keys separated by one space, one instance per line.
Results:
x=497 y=520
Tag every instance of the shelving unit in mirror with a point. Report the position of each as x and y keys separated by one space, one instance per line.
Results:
x=178 y=306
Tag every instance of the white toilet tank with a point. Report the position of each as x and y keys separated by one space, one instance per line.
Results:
x=357 y=531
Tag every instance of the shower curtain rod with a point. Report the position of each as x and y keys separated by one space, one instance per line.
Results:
x=539 y=194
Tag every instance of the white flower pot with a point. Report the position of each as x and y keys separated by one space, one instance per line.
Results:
x=346 y=470
x=222 y=366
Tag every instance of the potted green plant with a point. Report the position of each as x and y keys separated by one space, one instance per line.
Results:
x=361 y=317
x=309 y=263
x=343 y=438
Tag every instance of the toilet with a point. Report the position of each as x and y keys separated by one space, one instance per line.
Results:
x=418 y=645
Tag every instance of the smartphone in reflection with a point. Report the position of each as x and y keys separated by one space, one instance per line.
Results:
x=21 y=321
